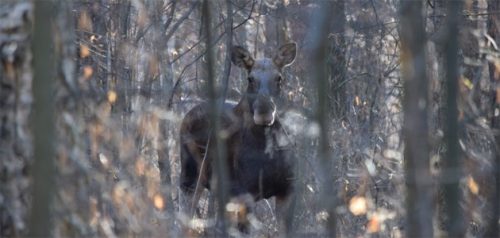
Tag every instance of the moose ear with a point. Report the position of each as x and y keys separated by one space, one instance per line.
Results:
x=286 y=54
x=241 y=57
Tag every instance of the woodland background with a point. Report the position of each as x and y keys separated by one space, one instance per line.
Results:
x=92 y=94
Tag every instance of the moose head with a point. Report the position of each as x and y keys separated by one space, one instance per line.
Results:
x=264 y=80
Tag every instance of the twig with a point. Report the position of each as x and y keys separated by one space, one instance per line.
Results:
x=229 y=40
x=202 y=39
x=180 y=21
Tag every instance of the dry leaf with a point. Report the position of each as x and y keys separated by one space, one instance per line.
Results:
x=357 y=101
x=496 y=74
x=158 y=201
x=84 y=22
x=373 y=225
x=472 y=185
x=140 y=167
x=498 y=96
x=112 y=96
x=87 y=72
x=84 y=51
x=358 y=205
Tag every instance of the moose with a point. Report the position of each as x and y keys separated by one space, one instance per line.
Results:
x=258 y=158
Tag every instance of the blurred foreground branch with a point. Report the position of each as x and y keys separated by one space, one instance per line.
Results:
x=319 y=37
x=43 y=120
x=419 y=202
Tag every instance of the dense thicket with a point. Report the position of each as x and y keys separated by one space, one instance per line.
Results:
x=392 y=108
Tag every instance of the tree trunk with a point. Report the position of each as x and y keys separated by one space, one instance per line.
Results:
x=319 y=39
x=452 y=164
x=493 y=32
x=220 y=163
x=415 y=128
x=337 y=62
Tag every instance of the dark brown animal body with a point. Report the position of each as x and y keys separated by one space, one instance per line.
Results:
x=258 y=164
x=258 y=158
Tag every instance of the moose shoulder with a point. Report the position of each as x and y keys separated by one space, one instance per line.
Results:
x=258 y=163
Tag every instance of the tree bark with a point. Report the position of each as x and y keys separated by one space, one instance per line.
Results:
x=319 y=39
x=337 y=62
x=415 y=129
x=452 y=170
x=493 y=31
x=215 y=140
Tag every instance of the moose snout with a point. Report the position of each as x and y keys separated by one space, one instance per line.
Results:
x=264 y=111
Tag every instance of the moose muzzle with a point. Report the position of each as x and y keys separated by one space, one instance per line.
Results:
x=264 y=111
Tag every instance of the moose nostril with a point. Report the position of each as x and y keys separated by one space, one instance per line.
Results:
x=264 y=106
x=264 y=111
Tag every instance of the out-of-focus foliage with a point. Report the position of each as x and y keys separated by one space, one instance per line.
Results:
x=129 y=70
x=15 y=106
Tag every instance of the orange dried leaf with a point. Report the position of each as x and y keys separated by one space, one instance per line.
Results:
x=357 y=101
x=87 y=72
x=498 y=96
x=158 y=201
x=358 y=205
x=472 y=185
x=140 y=167
x=496 y=74
x=112 y=96
x=373 y=225
x=84 y=22
x=84 y=51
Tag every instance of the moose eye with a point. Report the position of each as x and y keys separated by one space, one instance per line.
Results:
x=251 y=80
x=278 y=79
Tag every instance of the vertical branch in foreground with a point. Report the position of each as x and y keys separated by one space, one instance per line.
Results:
x=451 y=170
x=337 y=62
x=419 y=206
x=493 y=32
x=219 y=164
x=282 y=35
x=229 y=43
x=319 y=36
x=43 y=121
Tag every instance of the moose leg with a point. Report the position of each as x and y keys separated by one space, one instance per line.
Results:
x=238 y=211
x=193 y=173
x=283 y=214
